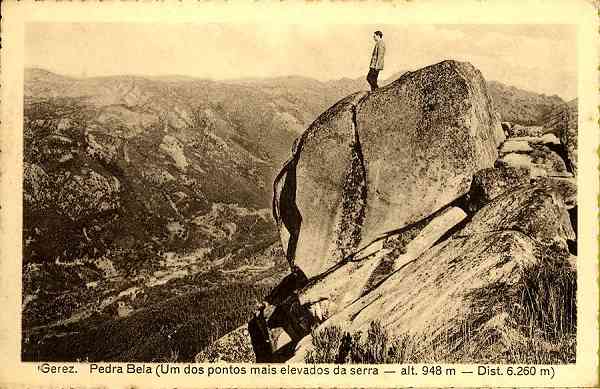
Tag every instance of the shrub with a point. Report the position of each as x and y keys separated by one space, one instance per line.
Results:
x=332 y=345
x=539 y=315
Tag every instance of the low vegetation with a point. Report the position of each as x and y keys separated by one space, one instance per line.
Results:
x=533 y=321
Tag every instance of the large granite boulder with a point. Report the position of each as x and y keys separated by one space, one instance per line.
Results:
x=309 y=202
x=377 y=162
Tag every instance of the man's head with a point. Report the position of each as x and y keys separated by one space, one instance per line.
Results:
x=377 y=35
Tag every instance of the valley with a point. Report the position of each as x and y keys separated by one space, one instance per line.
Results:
x=148 y=230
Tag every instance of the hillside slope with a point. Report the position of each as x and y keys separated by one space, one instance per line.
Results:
x=522 y=107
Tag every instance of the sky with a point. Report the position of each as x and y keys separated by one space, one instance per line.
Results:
x=539 y=58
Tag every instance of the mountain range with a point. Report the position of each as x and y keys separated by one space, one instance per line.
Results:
x=145 y=193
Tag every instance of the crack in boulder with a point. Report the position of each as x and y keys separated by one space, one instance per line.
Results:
x=353 y=197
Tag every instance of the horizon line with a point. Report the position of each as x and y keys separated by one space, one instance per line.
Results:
x=266 y=78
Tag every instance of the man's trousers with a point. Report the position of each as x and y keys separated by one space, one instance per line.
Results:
x=372 y=78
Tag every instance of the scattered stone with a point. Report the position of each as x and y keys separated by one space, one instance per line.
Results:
x=518 y=130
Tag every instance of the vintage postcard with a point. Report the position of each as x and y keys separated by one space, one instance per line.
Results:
x=299 y=194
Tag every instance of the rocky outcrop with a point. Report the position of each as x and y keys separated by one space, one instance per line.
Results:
x=371 y=209
x=562 y=121
x=542 y=155
x=36 y=187
x=75 y=195
x=452 y=289
x=87 y=193
x=392 y=158
x=535 y=211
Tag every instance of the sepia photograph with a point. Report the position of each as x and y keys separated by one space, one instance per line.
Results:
x=299 y=194
x=362 y=194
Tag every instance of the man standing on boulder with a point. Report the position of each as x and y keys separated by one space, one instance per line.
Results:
x=376 y=60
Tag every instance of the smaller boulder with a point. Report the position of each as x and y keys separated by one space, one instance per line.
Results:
x=529 y=139
x=516 y=160
x=514 y=146
x=490 y=183
x=550 y=138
